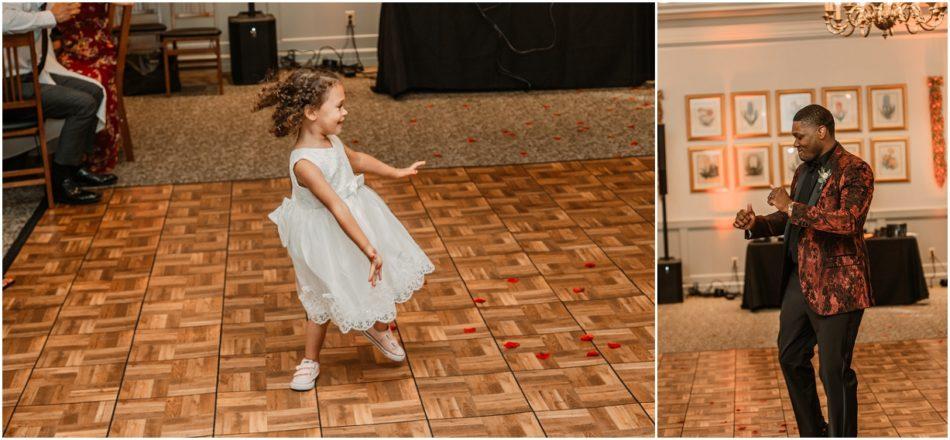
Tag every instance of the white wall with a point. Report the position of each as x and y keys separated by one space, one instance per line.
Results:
x=300 y=26
x=719 y=55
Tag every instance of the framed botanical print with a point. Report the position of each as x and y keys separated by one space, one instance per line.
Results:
x=788 y=161
x=707 y=169
x=789 y=102
x=705 y=117
x=753 y=166
x=889 y=159
x=887 y=107
x=853 y=146
x=750 y=114
x=844 y=103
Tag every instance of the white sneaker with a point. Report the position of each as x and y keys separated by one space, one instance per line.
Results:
x=386 y=343
x=306 y=375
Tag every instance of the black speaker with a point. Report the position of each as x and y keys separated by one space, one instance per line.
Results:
x=669 y=280
x=661 y=158
x=253 y=38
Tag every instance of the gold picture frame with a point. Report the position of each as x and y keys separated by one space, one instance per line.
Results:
x=786 y=173
x=754 y=119
x=876 y=118
x=781 y=113
x=881 y=170
x=765 y=149
x=707 y=132
x=696 y=184
x=858 y=142
x=852 y=114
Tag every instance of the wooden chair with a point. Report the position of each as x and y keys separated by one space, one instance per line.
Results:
x=24 y=116
x=123 y=41
x=172 y=37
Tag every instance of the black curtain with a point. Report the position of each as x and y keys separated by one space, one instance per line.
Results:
x=455 y=47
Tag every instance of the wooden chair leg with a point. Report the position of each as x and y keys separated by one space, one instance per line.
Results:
x=126 y=137
x=217 y=50
x=46 y=167
x=168 y=80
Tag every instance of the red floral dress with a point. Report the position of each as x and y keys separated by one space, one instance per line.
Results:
x=90 y=50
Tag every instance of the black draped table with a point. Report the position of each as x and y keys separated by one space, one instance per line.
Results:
x=897 y=275
x=454 y=47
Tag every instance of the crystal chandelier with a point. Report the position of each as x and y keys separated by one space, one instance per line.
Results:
x=843 y=19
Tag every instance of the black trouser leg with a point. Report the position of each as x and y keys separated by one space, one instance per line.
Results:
x=836 y=336
x=76 y=101
x=796 y=342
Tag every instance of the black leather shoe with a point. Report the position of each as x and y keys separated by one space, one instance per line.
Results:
x=85 y=177
x=70 y=193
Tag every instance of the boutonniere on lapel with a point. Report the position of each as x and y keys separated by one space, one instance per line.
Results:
x=823 y=175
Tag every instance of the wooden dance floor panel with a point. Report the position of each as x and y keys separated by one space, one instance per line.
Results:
x=172 y=311
x=902 y=391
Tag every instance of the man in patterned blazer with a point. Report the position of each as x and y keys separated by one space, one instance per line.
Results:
x=825 y=276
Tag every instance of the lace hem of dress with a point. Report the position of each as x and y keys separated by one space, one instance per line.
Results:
x=312 y=300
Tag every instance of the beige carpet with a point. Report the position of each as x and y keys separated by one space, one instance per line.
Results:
x=704 y=324
x=199 y=136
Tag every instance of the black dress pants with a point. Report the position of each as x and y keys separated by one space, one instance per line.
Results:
x=800 y=328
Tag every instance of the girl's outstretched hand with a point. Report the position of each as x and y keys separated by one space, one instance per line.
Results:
x=375 y=266
x=413 y=169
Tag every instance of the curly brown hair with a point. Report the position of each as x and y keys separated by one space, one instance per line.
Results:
x=293 y=93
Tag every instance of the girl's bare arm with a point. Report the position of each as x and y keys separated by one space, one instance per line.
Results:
x=364 y=163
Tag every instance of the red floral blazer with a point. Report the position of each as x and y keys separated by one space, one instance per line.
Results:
x=832 y=257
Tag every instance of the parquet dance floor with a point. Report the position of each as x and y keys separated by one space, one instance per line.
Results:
x=171 y=311
x=902 y=391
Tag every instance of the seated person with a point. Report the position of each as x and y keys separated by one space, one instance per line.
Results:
x=66 y=95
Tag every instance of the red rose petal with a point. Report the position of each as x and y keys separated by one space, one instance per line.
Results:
x=355 y=141
x=547 y=106
x=469 y=329
x=634 y=143
x=523 y=153
x=578 y=289
x=590 y=264
x=437 y=154
x=392 y=326
x=528 y=124
x=428 y=105
x=592 y=353
x=631 y=126
x=580 y=122
x=479 y=300
x=587 y=337
x=511 y=344
x=512 y=280
x=542 y=355
x=613 y=345
x=465 y=106
x=556 y=114
x=557 y=138
x=472 y=140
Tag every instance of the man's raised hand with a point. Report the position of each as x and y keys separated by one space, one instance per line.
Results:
x=744 y=218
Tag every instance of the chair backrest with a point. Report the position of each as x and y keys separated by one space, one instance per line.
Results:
x=188 y=11
x=13 y=80
x=123 y=43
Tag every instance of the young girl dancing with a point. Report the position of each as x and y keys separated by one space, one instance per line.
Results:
x=335 y=228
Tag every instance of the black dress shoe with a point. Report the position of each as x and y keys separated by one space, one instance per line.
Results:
x=70 y=193
x=85 y=177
